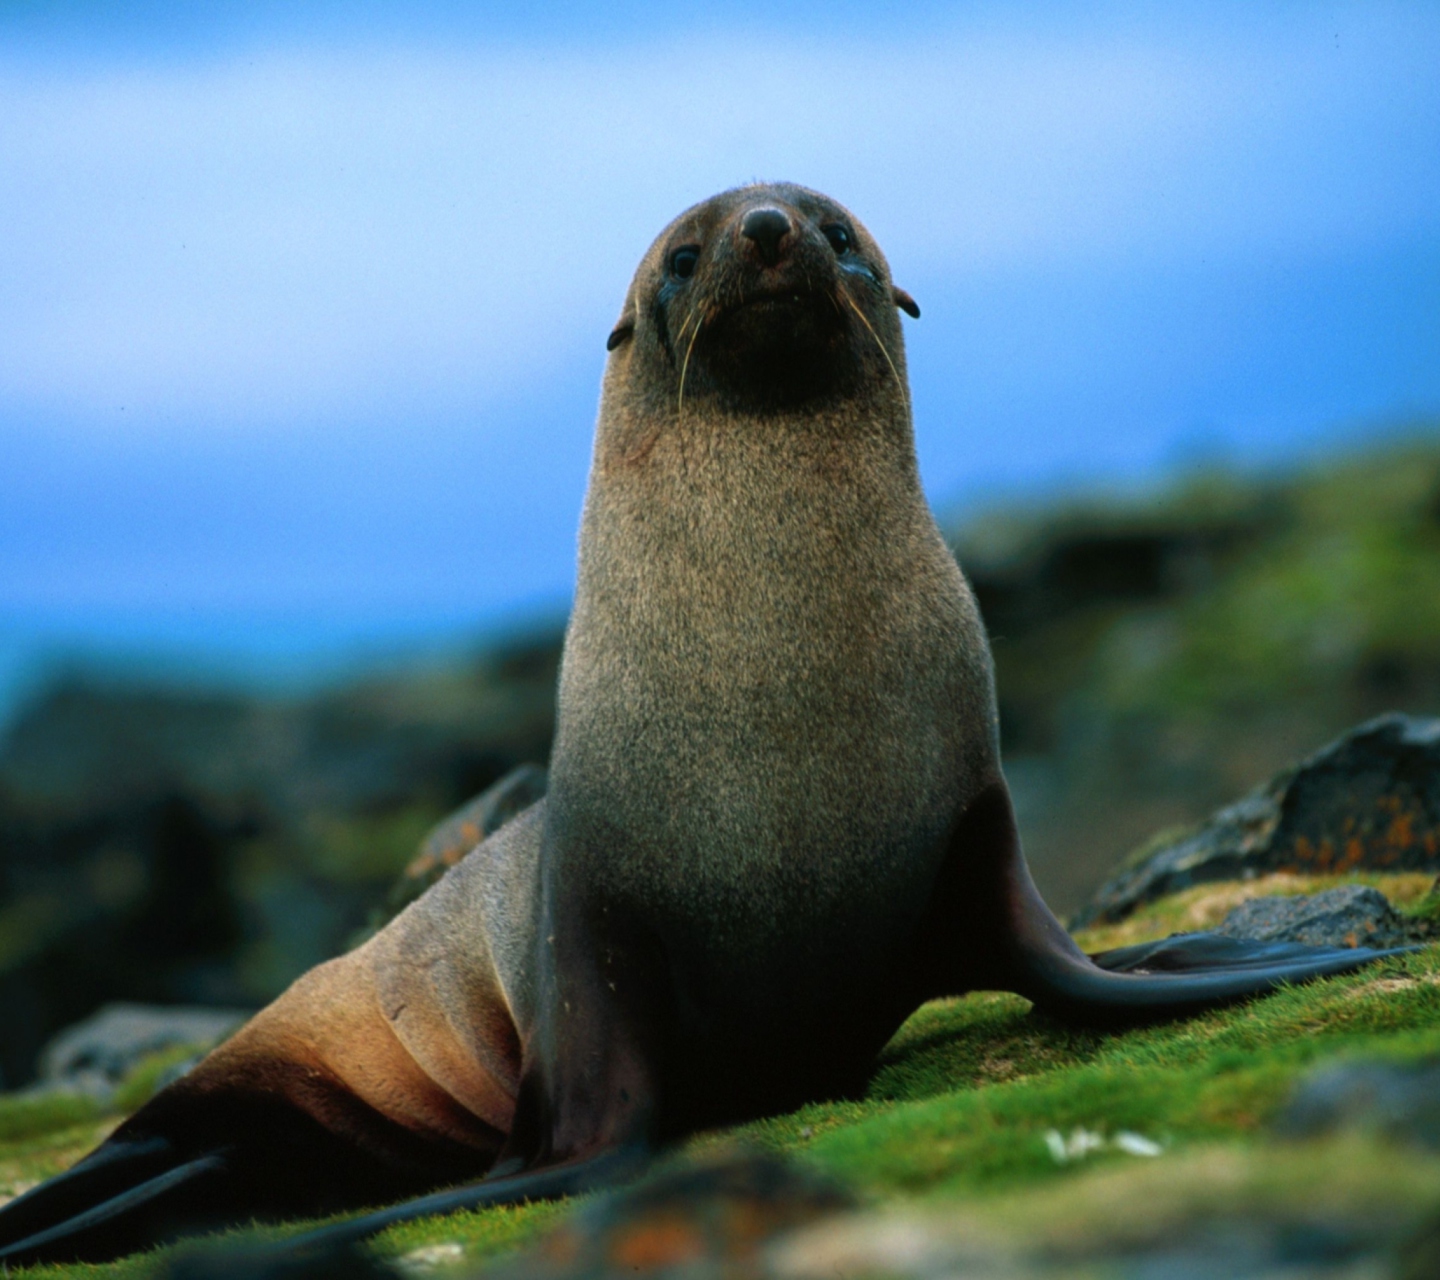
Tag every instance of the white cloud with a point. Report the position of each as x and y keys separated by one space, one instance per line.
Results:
x=306 y=235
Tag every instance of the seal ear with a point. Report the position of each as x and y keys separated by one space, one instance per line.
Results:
x=621 y=332
x=906 y=303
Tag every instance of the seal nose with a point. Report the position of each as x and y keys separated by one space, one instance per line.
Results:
x=766 y=228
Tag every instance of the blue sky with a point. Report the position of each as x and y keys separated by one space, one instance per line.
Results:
x=302 y=307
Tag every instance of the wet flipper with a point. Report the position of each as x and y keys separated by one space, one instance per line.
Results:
x=1013 y=942
x=1216 y=952
x=1170 y=979
x=125 y=1196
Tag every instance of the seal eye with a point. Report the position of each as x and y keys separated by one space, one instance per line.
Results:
x=683 y=261
x=838 y=236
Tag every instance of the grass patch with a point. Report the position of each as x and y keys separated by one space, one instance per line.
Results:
x=481 y=1234
x=32 y=1115
x=939 y=1120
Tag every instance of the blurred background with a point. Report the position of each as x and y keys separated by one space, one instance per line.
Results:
x=302 y=319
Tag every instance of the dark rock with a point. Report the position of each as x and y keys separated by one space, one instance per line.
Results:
x=1400 y=1101
x=1093 y=555
x=1352 y=915
x=449 y=841
x=101 y=1051
x=1370 y=800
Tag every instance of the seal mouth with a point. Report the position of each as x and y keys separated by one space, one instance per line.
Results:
x=776 y=298
x=779 y=303
x=772 y=345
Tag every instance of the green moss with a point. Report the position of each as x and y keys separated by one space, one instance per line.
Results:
x=1352 y=576
x=1220 y=1073
x=26 y=1116
x=367 y=848
x=30 y=1115
x=481 y=1235
x=983 y=1039
x=147 y=1076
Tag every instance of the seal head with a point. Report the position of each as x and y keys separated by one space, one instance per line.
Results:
x=761 y=298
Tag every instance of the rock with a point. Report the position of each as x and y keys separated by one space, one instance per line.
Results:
x=1352 y=915
x=704 y=1218
x=1370 y=800
x=1233 y=1247
x=1400 y=1101
x=95 y=1055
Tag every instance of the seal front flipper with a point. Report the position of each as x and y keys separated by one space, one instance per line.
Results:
x=989 y=929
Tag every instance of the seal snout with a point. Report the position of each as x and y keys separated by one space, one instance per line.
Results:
x=767 y=229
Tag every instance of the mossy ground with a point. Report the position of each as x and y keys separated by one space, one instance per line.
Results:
x=958 y=1111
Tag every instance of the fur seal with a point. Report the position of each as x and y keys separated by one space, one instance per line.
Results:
x=776 y=820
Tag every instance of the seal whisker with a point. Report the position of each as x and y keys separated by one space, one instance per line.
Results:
x=884 y=351
x=685 y=365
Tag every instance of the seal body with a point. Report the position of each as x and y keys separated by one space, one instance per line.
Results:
x=769 y=707
x=776 y=819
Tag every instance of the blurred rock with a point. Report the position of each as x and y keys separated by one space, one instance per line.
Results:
x=1232 y=1247
x=189 y=847
x=135 y=902
x=1352 y=915
x=1368 y=801
x=1398 y=1101
x=706 y=1219
x=96 y=1054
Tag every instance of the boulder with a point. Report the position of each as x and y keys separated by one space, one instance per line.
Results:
x=1370 y=800
x=711 y=1217
x=1352 y=915
x=1395 y=1100
x=96 y=1054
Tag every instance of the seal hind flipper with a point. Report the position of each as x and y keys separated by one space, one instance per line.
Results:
x=1010 y=940
x=1199 y=952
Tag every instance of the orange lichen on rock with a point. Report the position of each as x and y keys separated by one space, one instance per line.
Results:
x=661 y=1240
